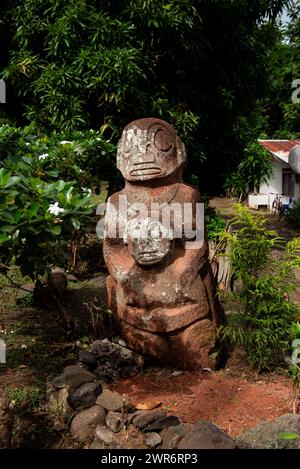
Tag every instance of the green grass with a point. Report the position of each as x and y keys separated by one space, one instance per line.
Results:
x=25 y=399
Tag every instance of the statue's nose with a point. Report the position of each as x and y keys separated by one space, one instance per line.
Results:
x=143 y=153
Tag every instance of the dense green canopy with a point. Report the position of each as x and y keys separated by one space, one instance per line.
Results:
x=206 y=66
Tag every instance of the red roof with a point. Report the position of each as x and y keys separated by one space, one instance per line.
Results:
x=275 y=146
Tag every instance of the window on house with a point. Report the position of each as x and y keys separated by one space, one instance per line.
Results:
x=288 y=183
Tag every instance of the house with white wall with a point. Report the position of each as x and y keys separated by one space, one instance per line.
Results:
x=283 y=182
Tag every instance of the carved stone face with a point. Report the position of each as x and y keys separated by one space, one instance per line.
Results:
x=149 y=149
x=148 y=241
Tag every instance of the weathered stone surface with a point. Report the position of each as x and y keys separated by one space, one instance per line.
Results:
x=205 y=435
x=96 y=445
x=164 y=319
x=171 y=436
x=142 y=418
x=105 y=349
x=72 y=377
x=188 y=348
x=165 y=422
x=88 y=358
x=59 y=408
x=83 y=424
x=161 y=288
x=84 y=396
x=115 y=360
x=266 y=434
x=152 y=439
x=113 y=401
x=104 y=435
x=114 y=421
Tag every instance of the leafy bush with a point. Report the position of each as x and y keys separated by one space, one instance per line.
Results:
x=76 y=64
x=254 y=169
x=265 y=312
x=82 y=156
x=215 y=224
x=37 y=218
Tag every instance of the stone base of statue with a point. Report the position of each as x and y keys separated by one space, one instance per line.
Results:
x=183 y=336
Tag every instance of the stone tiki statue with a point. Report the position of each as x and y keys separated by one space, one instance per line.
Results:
x=161 y=293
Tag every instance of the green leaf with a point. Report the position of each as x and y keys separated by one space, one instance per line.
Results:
x=34 y=230
x=7 y=217
x=12 y=181
x=288 y=436
x=32 y=210
x=4 y=177
x=52 y=173
x=3 y=238
x=68 y=194
x=56 y=230
x=75 y=223
x=8 y=228
x=60 y=185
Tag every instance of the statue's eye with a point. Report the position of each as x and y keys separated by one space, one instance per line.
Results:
x=163 y=140
x=128 y=141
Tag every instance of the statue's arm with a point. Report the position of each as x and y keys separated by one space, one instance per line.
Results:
x=118 y=260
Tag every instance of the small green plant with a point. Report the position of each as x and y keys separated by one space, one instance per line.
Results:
x=261 y=324
x=215 y=224
x=25 y=399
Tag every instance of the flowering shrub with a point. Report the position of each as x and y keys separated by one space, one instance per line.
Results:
x=37 y=218
x=40 y=212
x=83 y=156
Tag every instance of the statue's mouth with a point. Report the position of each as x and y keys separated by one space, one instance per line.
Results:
x=150 y=257
x=146 y=171
x=149 y=253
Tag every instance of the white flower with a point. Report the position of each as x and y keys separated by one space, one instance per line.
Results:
x=23 y=346
x=54 y=209
x=102 y=152
x=43 y=156
x=89 y=191
x=27 y=144
x=79 y=150
x=64 y=142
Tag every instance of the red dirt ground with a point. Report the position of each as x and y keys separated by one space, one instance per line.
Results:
x=232 y=403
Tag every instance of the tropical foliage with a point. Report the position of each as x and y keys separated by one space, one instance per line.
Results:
x=264 y=311
x=78 y=64
x=254 y=169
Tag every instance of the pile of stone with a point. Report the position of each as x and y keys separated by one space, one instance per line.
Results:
x=81 y=402
x=111 y=360
x=97 y=417
x=111 y=421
